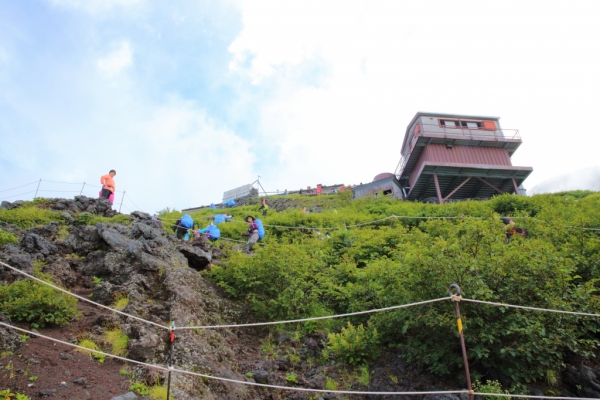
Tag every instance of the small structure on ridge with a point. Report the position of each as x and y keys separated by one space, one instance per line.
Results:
x=447 y=156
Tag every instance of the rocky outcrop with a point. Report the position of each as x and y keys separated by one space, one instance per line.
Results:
x=9 y=338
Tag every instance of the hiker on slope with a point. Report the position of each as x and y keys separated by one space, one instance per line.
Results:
x=182 y=227
x=108 y=184
x=220 y=218
x=252 y=232
x=213 y=233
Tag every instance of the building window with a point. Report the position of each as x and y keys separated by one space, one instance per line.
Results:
x=448 y=123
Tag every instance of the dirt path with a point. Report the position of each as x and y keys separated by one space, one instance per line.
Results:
x=42 y=366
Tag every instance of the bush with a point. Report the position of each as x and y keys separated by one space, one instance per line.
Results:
x=29 y=217
x=355 y=345
x=297 y=273
x=36 y=303
x=118 y=341
x=7 y=238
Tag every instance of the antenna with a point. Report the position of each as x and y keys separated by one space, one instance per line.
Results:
x=258 y=181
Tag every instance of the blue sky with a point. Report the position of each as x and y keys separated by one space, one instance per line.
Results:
x=188 y=99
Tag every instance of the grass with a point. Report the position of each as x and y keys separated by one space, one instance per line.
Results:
x=90 y=344
x=118 y=341
x=121 y=302
x=364 y=376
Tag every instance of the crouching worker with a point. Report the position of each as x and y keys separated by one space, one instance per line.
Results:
x=182 y=227
x=220 y=218
x=256 y=231
x=213 y=233
x=511 y=229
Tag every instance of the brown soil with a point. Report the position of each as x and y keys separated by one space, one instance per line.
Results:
x=53 y=363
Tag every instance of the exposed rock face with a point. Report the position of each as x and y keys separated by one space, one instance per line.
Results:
x=151 y=269
x=9 y=338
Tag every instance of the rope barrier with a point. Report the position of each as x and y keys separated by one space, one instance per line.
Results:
x=182 y=371
x=349 y=392
x=16 y=195
x=531 y=308
x=80 y=297
x=18 y=187
x=138 y=207
x=315 y=318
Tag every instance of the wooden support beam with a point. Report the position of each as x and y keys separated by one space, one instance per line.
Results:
x=515 y=185
x=437 y=189
x=490 y=185
x=452 y=183
x=457 y=188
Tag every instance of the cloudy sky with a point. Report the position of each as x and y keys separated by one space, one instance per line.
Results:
x=187 y=99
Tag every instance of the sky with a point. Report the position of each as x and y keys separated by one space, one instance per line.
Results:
x=188 y=99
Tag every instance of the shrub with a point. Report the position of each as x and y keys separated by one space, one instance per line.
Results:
x=355 y=345
x=36 y=303
x=118 y=342
x=7 y=238
x=29 y=216
x=86 y=218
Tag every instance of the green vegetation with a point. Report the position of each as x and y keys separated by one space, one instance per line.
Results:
x=86 y=218
x=355 y=345
x=118 y=341
x=297 y=273
x=36 y=303
x=7 y=394
x=29 y=217
x=157 y=392
x=121 y=302
x=7 y=238
x=489 y=387
x=90 y=344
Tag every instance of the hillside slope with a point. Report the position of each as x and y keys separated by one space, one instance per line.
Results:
x=336 y=256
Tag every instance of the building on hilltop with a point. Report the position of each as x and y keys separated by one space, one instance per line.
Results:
x=386 y=183
x=447 y=156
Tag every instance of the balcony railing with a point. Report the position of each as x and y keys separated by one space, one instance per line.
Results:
x=459 y=132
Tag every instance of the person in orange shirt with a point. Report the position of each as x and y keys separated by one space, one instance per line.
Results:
x=108 y=184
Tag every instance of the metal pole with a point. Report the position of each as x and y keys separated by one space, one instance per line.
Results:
x=122 y=198
x=456 y=299
x=82 y=189
x=38 y=188
x=171 y=343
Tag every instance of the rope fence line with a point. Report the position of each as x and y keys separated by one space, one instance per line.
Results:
x=349 y=392
x=16 y=195
x=530 y=308
x=314 y=318
x=18 y=187
x=453 y=298
x=182 y=371
x=80 y=297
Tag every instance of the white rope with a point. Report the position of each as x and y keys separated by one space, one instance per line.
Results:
x=82 y=298
x=16 y=195
x=532 y=308
x=529 y=396
x=314 y=318
x=138 y=207
x=18 y=187
x=182 y=371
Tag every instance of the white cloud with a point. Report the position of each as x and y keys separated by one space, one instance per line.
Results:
x=347 y=77
x=117 y=60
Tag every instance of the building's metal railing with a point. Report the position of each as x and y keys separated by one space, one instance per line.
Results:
x=459 y=132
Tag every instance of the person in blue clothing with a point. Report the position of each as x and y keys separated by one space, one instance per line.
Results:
x=213 y=233
x=182 y=227
x=220 y=218
x=229 y=203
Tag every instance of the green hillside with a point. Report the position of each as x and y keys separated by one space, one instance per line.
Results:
x=299 y=273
